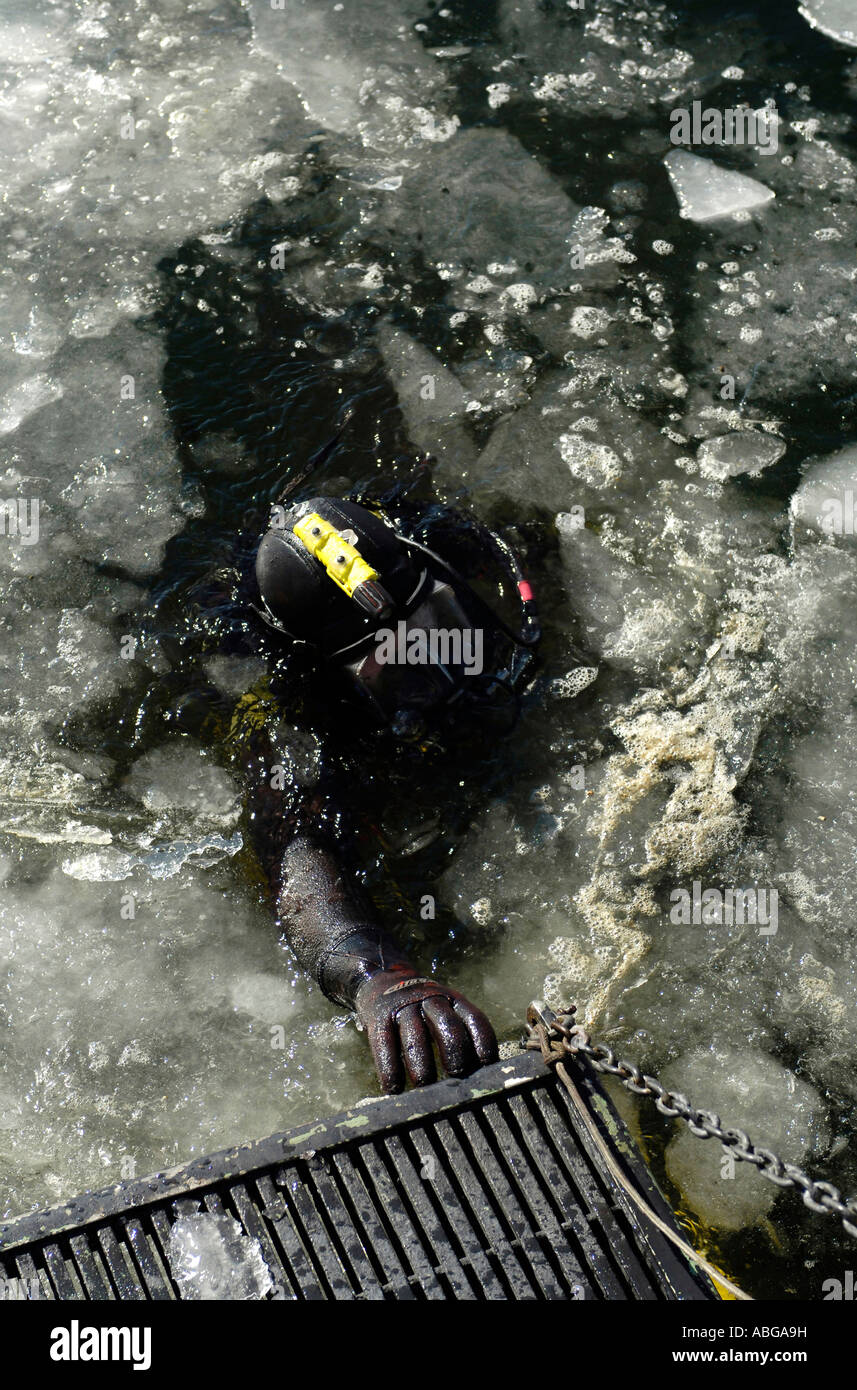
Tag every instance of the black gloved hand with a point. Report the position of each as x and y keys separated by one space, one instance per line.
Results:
x=405 y=1014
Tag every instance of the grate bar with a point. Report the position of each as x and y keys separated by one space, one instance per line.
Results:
x=487 y=1189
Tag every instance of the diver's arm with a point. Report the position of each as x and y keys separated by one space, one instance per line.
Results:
x=333 y=939
x=359 y=965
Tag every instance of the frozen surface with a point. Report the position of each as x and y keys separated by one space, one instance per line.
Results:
x=137 y=985
x=374 y=80
x=212 y=1260
x=778 y=302
x=568 y=58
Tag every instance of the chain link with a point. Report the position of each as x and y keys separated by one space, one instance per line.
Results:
x=568 y=1038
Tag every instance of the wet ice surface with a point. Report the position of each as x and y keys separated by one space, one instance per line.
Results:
x=648 y=367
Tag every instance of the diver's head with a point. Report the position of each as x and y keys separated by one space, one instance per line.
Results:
x=403 y=627
x=318 y=568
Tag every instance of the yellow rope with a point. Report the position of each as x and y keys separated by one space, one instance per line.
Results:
x=621 y=1180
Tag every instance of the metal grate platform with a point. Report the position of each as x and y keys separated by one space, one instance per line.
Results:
x=483 y=1189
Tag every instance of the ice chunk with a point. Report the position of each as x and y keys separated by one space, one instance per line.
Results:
x=471 y=200
x=594 y=57
x=178 y=777
x=522 y=457
x=742 y=451
x=432 y=399
x=371 y=77
x=268 y=997
x=87 y=666
x=778 y=305
x=835 y=18
x=24 y=399
x=162 y=861
x=234 y=675
x=825 y=500
x=627 y=614
x=212 y=1259
x=753 y=1092
x=41 y=337
x=706 y=190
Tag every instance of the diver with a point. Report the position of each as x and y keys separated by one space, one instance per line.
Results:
x=396 y=651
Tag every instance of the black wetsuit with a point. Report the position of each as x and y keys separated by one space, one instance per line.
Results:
x=357 y=825
x=388 y=810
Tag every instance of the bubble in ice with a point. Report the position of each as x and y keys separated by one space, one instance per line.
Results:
x=589 y=319
x=595 y=464
x=498 y=94
x=520 y=297
x=211 y=1258
x=706 y=190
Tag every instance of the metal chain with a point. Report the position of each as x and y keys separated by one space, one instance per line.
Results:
x=568 y=1038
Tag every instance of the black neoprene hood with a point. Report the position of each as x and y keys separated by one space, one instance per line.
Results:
x=302 y=598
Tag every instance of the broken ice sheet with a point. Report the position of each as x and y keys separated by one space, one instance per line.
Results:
x=835 y=18
x=706 y=190
x=351 y=74
x=161 y=861
x=432 y=399
x=212 y=1260
x=479 y=195
x=739 y=297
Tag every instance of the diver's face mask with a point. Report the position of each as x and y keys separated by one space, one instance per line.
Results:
x=407 y=632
